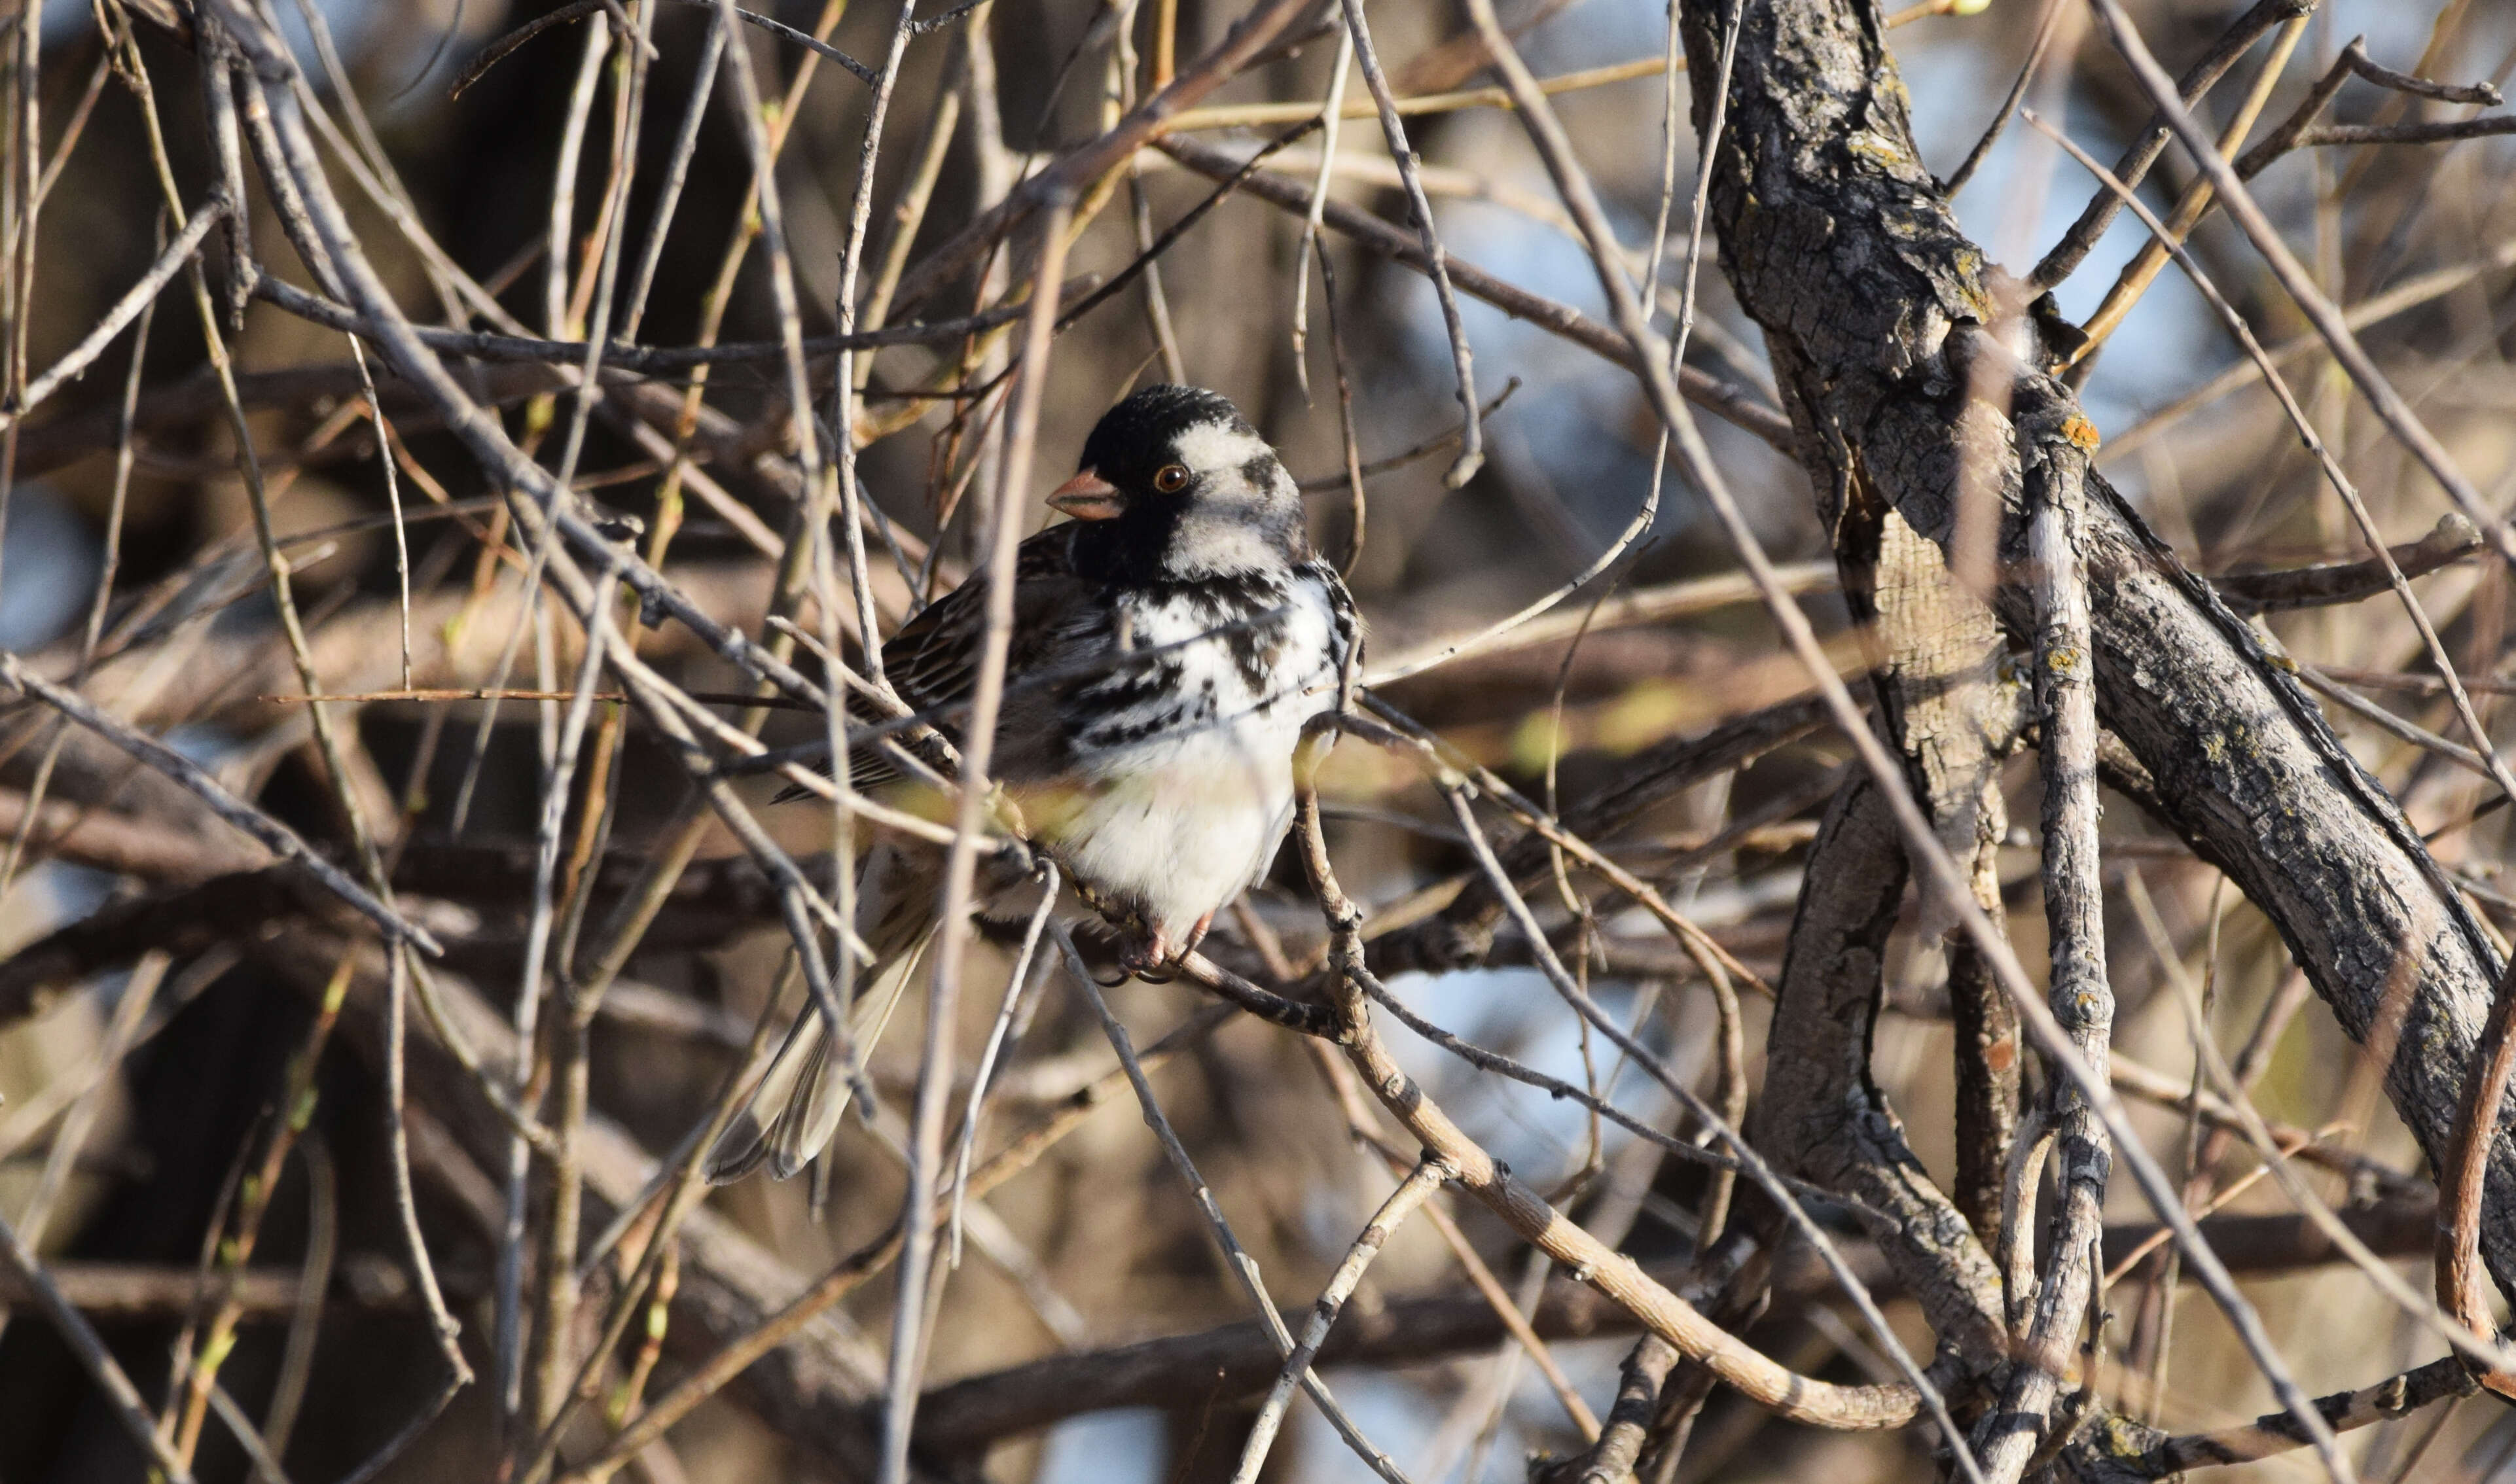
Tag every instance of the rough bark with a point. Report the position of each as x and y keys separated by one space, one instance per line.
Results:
x=1821 y=1116
x=1879 y=315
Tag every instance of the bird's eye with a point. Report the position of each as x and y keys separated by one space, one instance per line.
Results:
x=1171 y=479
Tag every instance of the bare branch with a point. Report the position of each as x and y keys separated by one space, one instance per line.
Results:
x=281 y=840
x=76 y=1333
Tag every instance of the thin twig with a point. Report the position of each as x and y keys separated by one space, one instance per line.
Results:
x=139 y=989
x=195 y=780
x=2267 y=1437
x=1020 y=998
x=2190 y=208
x=1766 y=1383
x=2299 y=283
x=851 y=1272
x=576 y=9
x=1419 y=1186
x=1955 y=180
x=1235 y=1257
x=1753 y=1163
x=2443 y=131
x=1486 y=1060
x=448 y=1333
x=81 y=1336
x=935 y=1065
x=2481 y=1349
x=108 y=568
x=2462 y=1289
x=1331 y=114
x=2300 y=128
x=843 y=390
x=124 y=310
x=2487 y=753
x=1074 y=171
x=2132 y=167
x=1392 y=131
x=1357 y=508
x=1737 y=404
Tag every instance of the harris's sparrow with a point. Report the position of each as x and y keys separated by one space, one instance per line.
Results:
x=1168 y=644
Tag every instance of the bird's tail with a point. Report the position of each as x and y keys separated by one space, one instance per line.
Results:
x=790 y=1116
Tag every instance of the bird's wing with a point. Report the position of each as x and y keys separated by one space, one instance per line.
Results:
x=933 y=661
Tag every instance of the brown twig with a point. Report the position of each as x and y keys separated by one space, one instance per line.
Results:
x=2258 y=20
x=1738 y=405
x=1393 y=132
x=2460 y=1287
x=851 y=1272
x=2124 y=1452
x=1238 y=1360
x=1074 y=171
x=2390 y=407
x=2451 y=540
x=1419 y=1186
x=1759 y=1378
x=125 y=309
x=2445 y=132
x=1235 y=1259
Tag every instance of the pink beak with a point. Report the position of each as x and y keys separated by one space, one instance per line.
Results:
x=1087 y=497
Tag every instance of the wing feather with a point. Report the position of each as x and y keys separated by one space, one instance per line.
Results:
x=933 y=661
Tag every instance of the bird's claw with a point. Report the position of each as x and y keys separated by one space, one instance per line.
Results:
x=1154 y=959
x=1148 y=958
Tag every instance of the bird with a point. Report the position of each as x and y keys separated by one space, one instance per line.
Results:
x=1170 y=642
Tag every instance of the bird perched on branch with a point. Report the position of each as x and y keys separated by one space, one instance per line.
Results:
x=1168 y=644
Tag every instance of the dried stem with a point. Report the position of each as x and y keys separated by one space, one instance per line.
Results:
x=2294 y=278
x=1419 y=1186
x=1236 y=1258
x=279 y=838
x=1393 y=132
x=935 y=1065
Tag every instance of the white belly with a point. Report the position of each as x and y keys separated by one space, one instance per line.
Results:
x=1185 y=820
x=1186 y=824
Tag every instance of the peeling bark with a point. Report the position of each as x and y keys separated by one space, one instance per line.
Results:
x=1952 y=711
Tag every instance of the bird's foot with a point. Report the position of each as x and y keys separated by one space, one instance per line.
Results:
x=1148 y=958
x=1154 y=959
x=1197 y=934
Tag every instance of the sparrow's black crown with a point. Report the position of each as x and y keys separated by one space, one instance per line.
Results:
x=1134 y=438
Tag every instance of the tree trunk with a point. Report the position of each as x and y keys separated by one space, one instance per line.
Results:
x=1891 y=341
